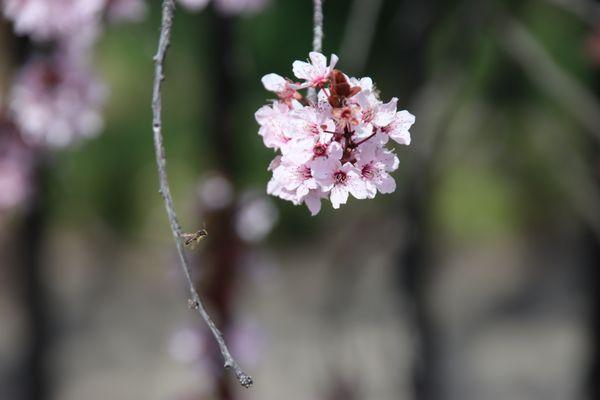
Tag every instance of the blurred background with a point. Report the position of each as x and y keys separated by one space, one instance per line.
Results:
x=476 y=280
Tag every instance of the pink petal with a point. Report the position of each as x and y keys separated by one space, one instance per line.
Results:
x=339 y=195
x=387 y=184
x=313 y=202
x=273 y=82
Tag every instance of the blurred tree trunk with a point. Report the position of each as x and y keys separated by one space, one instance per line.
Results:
x=592 y=388
x=34 y=374
x=220 y=271
x=415 y=264
x=593 y=257
x=30 y=236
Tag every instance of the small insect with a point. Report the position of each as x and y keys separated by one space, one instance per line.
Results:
x=192 y=239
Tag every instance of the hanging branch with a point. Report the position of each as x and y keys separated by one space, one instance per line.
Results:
x=317 y=38
x=318 y=26
x=161 y=162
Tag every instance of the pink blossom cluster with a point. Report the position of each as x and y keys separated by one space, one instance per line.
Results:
x=56 y=102
x=49 y=19
x=227 y=7
x=55 y=99
x=333 y=145
x=46 y=20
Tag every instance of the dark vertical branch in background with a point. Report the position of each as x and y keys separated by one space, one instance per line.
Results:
x=222 y=135
x=592 y=258
x=415 y=270
x=34 y=375
x=225 y=249
x=592 y=242
x=33 y=381
x=414 y=261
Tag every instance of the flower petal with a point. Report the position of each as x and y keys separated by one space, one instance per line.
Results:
x=339 y=195
x=273 y=82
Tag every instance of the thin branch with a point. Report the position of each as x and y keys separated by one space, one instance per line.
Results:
x=161 y=162
x=317 y=39
x=586 y=10
x=520 y=44
x=318 y=26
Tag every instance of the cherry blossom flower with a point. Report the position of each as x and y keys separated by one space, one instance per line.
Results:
x=275 y=121
x=56 y=101
x=398 y=128
x=374 y=164
x=316 y=72
x=285 y=89
x=341 y=180
x=334 y=147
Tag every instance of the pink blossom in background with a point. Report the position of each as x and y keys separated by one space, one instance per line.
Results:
x=215 y=192
x=52 y=19
x=15 y=168
x=255 y=217
x=334 y=146
x=194 y=5
x=235 y=7
x=227 y=7
x=126 y=10
x=57 y=101
x=189 y=345
x=248 y=340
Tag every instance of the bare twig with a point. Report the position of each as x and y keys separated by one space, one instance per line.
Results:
x=586 y=10
x=317 y=38
x=520 y=44
x=318 y=26
x=195 y=302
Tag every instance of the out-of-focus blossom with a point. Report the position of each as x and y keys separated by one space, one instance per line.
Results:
x=186 y=346
x=56 y=101
x=194 y=5
x=15 y=168
x=235 y=7
x=126 y=10
x=247 y=340
x=52 y=19
x=255 y=218
x=215 y=192
x=227 y=7
x=245 y=337
x=316 y=72
x=332 y=146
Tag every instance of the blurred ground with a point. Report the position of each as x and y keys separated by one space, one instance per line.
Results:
x=324 y=317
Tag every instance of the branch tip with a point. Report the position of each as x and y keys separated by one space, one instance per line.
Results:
x=194 y=302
